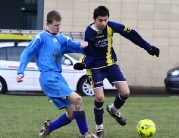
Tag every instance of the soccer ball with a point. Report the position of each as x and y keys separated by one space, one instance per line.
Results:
x=146 y=128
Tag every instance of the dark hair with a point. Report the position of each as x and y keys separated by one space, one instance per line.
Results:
x=53 y=16
x=100 y=11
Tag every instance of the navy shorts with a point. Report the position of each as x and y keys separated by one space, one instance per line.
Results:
x=96 y=76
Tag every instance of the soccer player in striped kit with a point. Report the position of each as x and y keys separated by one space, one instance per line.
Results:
x=100 y=62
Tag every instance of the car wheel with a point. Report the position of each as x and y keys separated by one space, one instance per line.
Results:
x=83 y=87
x=3 y=86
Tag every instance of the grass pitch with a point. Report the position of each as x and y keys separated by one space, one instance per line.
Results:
x=22 y=117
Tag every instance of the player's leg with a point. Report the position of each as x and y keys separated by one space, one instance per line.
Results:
x=62 y=120
x=116 y=76
x=118 y=103
x=97 y=77
x=123 y=94
x=56 y=88
x=79 y=115
x=98 y=111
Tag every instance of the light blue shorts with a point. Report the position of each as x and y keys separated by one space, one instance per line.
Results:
x=55 y=88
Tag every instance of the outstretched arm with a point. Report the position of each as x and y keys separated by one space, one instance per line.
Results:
x=138 y=40
x=28 y=53
x=72 y=46
x=134 y=37
x=154 y=51
x=19 y=78
x=80 y=65
x=84 y=44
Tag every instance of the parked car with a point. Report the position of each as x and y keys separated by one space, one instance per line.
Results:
x=9 y=63
x=172 y=81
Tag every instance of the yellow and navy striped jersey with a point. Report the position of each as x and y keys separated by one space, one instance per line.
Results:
x=100 y=52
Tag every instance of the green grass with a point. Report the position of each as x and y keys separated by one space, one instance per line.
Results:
x=22 y=117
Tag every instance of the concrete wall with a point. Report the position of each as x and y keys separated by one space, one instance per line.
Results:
x=157 y=21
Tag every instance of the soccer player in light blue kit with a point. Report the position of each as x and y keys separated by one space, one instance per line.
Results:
x=48 y=47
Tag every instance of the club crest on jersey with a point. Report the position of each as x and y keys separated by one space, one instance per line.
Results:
x=127 y=29
x=54 y=40
x=99 y=32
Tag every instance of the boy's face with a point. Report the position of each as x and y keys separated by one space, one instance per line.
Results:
x=100 y=22
x=54 y=27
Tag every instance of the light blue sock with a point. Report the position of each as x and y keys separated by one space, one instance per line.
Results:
x=61 y=121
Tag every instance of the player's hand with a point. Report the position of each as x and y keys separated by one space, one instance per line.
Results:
x=154 y=51
x=84 y=44
x=19 y=78
x=79 y=66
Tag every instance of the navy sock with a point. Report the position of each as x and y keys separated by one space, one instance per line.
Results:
x=81 y=121
x=98 y=111
x=59 y=122
x=119 y=101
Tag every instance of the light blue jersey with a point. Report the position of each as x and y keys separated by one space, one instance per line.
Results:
x=48 y=50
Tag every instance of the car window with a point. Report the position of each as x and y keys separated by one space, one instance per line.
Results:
x=2 y=54
x=75 y=55
x=13 y=53
x=63 y=61
x=63 y=58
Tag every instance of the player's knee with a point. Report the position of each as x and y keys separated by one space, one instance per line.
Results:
x=99 y=94
x=78 y=101
x=100 y=98
x=125 y=93
x=70 y=115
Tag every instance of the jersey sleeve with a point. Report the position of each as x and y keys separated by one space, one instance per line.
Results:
x=130 y=34
x=28 y=53
x=73 y=46
x=89 y=50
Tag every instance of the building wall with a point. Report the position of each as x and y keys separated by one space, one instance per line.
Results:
x=157 y=21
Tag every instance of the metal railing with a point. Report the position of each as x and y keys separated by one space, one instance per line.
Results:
x=73 y=35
